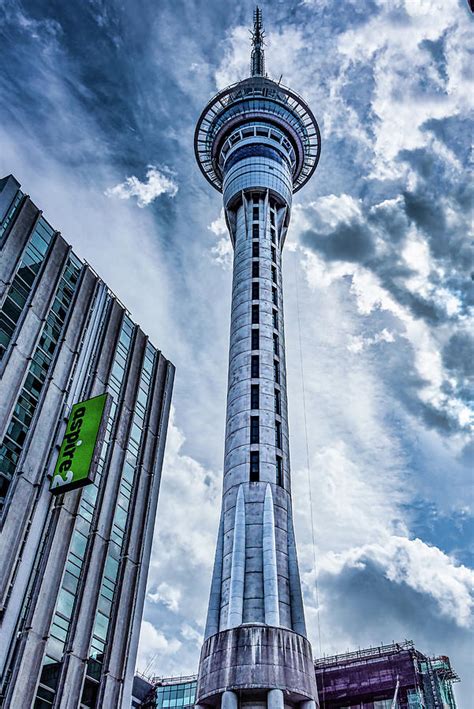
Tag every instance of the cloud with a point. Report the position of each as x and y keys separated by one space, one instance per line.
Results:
x=154 y=648
x=166 y=594
x=422 y=567
x=156 y=184
x=222 y=251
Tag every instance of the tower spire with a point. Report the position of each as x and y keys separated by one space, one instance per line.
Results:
x=257 y=58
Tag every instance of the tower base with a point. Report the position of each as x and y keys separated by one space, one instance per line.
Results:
x=256 y=665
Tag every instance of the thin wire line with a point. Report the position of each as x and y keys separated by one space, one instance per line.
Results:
x=307 y=453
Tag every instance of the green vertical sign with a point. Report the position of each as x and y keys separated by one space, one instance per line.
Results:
x=79 y=452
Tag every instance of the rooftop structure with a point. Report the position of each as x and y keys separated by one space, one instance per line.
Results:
x=257 y=142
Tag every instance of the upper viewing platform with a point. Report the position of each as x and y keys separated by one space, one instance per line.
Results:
x=254 y=111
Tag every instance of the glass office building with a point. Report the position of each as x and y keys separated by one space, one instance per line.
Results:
x=170 y=693
x=74 y=565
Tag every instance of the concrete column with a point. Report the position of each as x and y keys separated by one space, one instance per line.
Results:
x=229 y=700
x=275 y=699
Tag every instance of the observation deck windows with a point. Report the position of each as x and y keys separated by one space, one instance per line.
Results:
x=255 y=290
x=254 y=429
x=263 y=132
x=255 y=339
x=278 y=402
x=255 y=269
x=255 y=367
x=254 y=466
x=254 y=396
x=255 y=314
x=279 y=470
x=255 y=248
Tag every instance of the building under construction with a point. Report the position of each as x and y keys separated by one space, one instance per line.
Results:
x=386 y=677
x=394 y=676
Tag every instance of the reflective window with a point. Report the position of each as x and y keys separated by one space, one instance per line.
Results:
x=28 y=268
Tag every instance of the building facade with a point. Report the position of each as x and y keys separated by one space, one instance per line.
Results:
x=386 y=677
x=257 y=142
x=74 y=564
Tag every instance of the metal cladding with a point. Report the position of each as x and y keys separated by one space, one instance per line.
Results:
x=256 y=142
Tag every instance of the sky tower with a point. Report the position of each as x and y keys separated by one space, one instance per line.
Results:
x=257 y=142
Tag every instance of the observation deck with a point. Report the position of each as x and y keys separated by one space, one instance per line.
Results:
x=246 y=110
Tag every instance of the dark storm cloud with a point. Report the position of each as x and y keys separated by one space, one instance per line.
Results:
x=349 y=241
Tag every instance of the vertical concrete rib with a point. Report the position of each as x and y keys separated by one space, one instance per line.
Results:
x=236 y=596
x=296 y=596
x=270 y=574
x=213 y=613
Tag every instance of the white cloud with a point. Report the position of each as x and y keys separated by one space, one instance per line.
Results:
x=166 y=594
x=357 y=342
x=154 y=648
x=222 y=251
x=157 y=183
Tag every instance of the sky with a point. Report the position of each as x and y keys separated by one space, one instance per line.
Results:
x=98 y=103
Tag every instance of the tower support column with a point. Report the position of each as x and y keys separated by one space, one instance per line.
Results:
x=229 y=700
x=275 y=699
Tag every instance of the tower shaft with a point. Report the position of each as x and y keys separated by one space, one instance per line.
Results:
x=256 y=142
x=256 y=572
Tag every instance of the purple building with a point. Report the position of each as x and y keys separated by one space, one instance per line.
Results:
x=385 y=677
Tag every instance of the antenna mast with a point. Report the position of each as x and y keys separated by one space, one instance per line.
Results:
x=257 y=58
